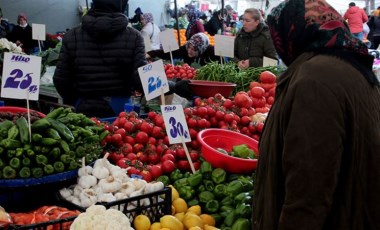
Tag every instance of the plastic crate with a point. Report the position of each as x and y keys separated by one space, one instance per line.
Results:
x=160 y=205
x=60 y=224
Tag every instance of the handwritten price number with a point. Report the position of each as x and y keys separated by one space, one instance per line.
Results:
x=177 y=128
x=154 y=83
x=18 y=80
x=147 y=68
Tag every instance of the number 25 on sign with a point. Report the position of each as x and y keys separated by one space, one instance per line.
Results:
x=21 y=76
x=153 y=79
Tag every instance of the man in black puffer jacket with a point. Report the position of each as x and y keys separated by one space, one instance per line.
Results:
x=97 y=67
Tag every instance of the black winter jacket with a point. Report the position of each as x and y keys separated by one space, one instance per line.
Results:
x=100 y=58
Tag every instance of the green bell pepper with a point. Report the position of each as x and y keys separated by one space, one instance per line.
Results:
x=241 y=224
x=209 y=185
x=227 y=201
x=9 y=172
x=244 y=197
x=176 y=175
x=201 y=188
x=186 y=192
x=244 y=210
x=230 y=218
x=234 y=188
x=218 y=218
x=164 y=179
x=181 y=182
x=24 y=172
x=192 y=202
x=220 y=190
x=37 y=172
x=218 y=175
x=247 y=183
x=206 y=196
x=226 y=208
x=195 y=179
x=59 y=166
x=187 y=174
x=212 y=206
x=205 y=167
x=41 y=159
x=15 y=163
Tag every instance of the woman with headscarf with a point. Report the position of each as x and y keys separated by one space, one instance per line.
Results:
x=150 y=31
x=195 y=25
x=22 y=35
x=197 y=49
x=320 y=146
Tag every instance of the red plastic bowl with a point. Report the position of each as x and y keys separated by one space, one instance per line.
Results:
x=210 y=88
x=14 y=109
x=211 y=139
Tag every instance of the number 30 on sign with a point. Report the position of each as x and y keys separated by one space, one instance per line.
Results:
x=175 y=124
x=21 y=76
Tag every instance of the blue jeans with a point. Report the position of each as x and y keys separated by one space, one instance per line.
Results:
x=359 y=35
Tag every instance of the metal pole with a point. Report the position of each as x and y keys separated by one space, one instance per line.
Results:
x=87 y=4
x=222 y=10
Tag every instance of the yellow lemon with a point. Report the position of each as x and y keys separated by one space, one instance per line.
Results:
x=175 y=194
x=196 y=209
x=173 y=210
x=170 y=222
x=155 y=226
x=192 y=220
x=180 y=216
x=180 y=205
x=208 y=227
x=165 y=229
x=141 y=222
x=207 y=219
x=195 y=228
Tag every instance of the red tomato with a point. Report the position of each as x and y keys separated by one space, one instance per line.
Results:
x=168 y=166
x=156 y=171
x=194 y=155
x=142 y=137
x=270 y=100
x=126 y=148
x=267 y=77
x=116 y=138
x=228 y=104
x=168 y=157
x=122 y=163
x=142 y=157
x=146 y=127
x=131 y=156
x=153 y=158
x=254 y=84
x=257 y=92
x=180 y=153
x=146 y=175
x=183 y=165
x=242 y=99
x=121 y=131
x=245 y=120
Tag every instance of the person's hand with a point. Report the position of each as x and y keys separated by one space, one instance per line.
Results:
x=243 y=64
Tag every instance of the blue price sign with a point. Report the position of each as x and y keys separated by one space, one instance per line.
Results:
x=175 y=123
x=21 y=76
x=153 y=79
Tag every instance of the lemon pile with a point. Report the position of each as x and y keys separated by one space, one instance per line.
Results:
x=182 y=218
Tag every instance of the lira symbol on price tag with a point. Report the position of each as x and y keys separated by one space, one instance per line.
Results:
x=175 y=124
x=153 y=79
x=21 y=76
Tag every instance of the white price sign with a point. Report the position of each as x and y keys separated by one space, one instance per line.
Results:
x=153 y=79
x=175 y=124
x=21 y=76
x=168 y=41
x=224 y=45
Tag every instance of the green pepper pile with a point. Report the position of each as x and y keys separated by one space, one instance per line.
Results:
x=227 y=197
x=57 y=143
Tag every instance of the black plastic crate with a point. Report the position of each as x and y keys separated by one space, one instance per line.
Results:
x=59 y=224
x=160 y=205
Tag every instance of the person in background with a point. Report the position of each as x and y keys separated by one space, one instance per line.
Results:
x=182 y=19
x=97 y=67
x=254 y=41
x=374 y=25
x=5 y=26
x=228 y=17
x=137 y=17
x=215 y=24
x=356 y=17
x=196 y=50
x=150 y=30
x=195 y=25
x=22 y=35
x=311 y=176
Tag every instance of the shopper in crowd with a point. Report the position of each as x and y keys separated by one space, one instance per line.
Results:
x=319 y=149
x=215 y=25
x=195 y=25
x=356 y=17
x=137 y=17
x=150 y=30
x=182 y=19
x=228 y=17
x=5 y=26
x=374 y=25
x=97 y=66
x=254 y=41
x=22 y=35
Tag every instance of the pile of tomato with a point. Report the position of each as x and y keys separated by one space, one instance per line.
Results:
x=142 y=145
x=179 y=71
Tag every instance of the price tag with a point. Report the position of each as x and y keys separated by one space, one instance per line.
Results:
x=175 y=124
x=21 y=76
x=153 y=79
x=269 y=62
x=38 y=32
x=168 y=41
x=224 y=45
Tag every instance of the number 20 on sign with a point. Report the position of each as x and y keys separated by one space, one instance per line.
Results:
x=21 y=76
x=175 y=124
